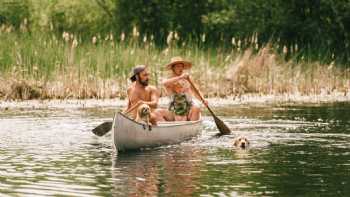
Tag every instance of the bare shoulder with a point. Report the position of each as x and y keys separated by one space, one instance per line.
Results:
x=152 y=89
x=129 y=89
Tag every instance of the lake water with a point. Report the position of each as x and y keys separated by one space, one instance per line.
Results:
x=295 y=151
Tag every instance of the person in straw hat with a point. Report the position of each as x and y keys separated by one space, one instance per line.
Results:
x=182 y=105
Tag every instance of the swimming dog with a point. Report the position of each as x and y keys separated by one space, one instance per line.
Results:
x=241 y=142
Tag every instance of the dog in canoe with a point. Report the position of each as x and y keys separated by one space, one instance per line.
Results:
x=143 y=115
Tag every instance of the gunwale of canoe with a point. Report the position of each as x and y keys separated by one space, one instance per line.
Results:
x=129 y=134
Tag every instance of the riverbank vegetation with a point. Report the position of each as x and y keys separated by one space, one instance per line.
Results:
x=86 y=49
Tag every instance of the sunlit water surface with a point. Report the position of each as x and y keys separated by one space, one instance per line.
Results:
x=295 y=151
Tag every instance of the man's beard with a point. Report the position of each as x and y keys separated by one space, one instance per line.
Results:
x=144 y=83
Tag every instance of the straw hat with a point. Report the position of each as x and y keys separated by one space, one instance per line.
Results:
x=178 y=60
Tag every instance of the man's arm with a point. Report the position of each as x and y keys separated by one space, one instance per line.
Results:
x=154 y=98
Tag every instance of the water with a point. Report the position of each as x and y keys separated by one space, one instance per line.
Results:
x=295 y=151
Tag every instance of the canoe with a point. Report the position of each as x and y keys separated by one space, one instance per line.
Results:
x=128 y=134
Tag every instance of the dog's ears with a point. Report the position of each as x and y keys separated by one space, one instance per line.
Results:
x=235 y=143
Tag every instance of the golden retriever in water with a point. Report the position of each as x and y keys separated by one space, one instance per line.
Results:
x=241 y=142
x=143 y=115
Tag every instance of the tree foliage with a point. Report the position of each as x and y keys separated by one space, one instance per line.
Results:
x=317 y=29
x=14 y=12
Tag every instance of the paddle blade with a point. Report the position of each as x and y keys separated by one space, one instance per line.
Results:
x=103 y=128
x=224 y=130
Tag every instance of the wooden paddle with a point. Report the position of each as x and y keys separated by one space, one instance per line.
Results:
x=224 y=130
x=103 y=128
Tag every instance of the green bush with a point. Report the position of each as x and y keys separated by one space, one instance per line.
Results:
x=84 y=18
x=14 y=12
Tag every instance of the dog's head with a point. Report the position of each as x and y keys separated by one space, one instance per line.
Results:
x=241 y=142
x=144 y=110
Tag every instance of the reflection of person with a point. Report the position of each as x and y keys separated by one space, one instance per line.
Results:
x=182 y=105
x=139 y=92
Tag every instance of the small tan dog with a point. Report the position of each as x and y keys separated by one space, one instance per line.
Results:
x=143 y=115
x=241 y=142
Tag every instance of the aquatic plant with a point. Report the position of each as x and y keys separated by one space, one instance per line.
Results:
x=68 y=67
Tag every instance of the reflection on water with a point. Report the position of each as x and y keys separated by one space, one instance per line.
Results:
x=164 y=171
x=295 y=151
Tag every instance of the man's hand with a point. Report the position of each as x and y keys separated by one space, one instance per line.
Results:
x=133 y=107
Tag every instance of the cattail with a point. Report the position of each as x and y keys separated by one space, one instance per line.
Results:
x=122 y=36
x=169 y=38
x=65 y=36
x=176 y=36
x=256 y=38
x=135 y=33
x=111 y=36
x=239 y=45
x=152 y=37
x=256 y=41
x=285 y=49
x=233 y=41
x=166 y=51
x=203 y=37
x=94 y=40
x=331 y=65
x=51 y=27
x=23 y=26
x=227 y=58
x=145 y=38
x=74 y=43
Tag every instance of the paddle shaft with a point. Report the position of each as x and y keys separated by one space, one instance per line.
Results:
x=200 y=95
x=219 y=123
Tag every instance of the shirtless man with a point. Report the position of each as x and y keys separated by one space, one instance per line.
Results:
x=139 y=92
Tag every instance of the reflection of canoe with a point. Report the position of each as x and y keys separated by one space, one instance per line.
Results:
x=128 y=134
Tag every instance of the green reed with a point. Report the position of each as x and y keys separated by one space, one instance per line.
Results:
x=65 y=66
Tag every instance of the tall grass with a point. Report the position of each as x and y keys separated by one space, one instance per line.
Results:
x=46 y=65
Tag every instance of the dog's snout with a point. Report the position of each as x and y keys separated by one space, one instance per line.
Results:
x=241 y=142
